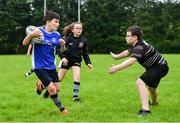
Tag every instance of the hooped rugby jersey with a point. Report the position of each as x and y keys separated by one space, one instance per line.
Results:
x=146 y=54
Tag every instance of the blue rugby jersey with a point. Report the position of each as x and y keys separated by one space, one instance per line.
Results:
x=43 y=55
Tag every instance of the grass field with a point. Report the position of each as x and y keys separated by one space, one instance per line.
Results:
x=104 y=97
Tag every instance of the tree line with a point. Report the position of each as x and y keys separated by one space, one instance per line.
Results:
x=104 y=21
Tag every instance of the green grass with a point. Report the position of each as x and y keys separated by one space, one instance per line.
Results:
x=104 y=97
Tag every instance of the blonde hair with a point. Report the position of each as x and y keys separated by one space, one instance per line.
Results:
x=67 y=29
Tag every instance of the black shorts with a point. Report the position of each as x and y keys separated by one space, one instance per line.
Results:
x=47 y=76
x=70 y=64
x=153 y=75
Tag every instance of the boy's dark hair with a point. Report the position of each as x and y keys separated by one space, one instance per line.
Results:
x=135 y=30
x=50 y=15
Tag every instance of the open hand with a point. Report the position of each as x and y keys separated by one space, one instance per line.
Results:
x=113 y=69
x=64 y=61
x=62 y=42
x=113 y=55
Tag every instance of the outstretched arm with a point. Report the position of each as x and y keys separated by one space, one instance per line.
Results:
x=120 y=55
x=123 y=65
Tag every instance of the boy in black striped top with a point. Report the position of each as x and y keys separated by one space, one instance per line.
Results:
x=147 y=56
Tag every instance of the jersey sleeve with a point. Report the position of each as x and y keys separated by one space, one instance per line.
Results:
x=136 y=52
x=85 y=53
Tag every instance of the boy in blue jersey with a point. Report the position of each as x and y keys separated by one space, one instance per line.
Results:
x=43 y=56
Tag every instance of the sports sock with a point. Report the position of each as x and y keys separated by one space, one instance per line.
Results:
x=29 y=72
x=76 y=89
x=57 y=101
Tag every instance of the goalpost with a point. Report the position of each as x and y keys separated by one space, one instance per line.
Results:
x=44 y=8
x=79 y=12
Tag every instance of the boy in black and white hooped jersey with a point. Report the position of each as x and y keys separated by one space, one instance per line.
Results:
x=147 y=56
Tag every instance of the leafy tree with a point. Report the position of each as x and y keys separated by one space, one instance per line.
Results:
x=13 y=14
x=105 y=22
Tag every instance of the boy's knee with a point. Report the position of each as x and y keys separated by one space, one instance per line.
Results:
x=58 y=86
x=52 y=90
x=139 y=82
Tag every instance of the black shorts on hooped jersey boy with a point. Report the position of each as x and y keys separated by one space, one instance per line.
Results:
x=153 y=75
x=155 y=65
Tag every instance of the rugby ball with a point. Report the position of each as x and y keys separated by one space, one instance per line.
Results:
x=38 y=39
